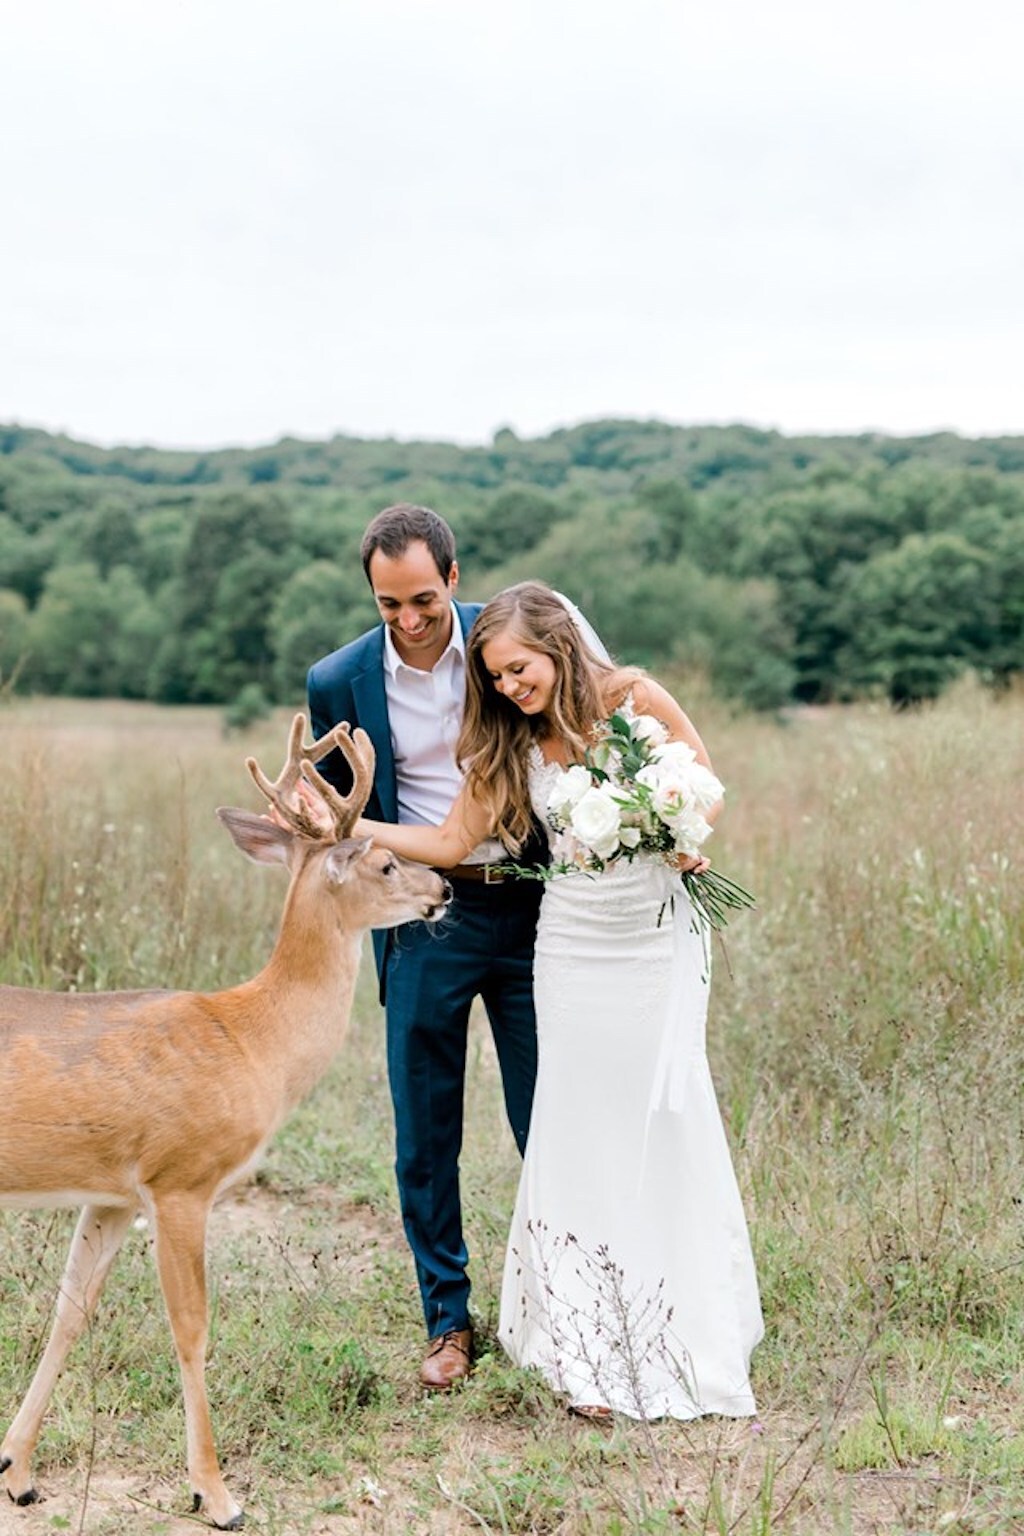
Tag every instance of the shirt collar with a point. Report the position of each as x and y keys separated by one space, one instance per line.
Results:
x=456 y=646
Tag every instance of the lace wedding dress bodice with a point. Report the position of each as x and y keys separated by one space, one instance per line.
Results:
x=543 y=776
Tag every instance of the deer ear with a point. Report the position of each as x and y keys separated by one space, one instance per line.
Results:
x=257 y=836
x=344 y=855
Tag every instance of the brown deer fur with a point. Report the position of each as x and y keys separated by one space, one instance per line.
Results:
x=159 y=1101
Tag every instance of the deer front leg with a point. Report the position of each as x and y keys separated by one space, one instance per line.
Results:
x=180 y=1221
x=98 y=1236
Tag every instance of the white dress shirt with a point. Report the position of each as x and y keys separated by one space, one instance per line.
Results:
x=425 y=712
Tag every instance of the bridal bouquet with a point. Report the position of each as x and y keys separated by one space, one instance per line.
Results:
x=639 y=793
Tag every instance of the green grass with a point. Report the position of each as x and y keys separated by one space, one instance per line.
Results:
x=866 y=1043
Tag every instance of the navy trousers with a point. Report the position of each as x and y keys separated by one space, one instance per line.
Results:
x=483 y=947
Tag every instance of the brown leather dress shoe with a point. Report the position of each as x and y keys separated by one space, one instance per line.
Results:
x=449 y=1359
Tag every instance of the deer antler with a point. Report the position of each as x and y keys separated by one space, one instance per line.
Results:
x=358 y=750
x=344 y=810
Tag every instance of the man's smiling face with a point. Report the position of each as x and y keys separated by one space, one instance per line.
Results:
x=415 y=602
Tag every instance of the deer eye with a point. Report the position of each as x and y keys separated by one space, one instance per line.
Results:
x=389 y=868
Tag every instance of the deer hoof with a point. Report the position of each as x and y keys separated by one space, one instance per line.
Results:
x=234 y=1524
x=30 y=1496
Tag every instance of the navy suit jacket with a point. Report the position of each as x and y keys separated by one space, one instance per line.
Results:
x=349 y=685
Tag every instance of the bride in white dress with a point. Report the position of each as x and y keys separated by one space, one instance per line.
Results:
x=629 y=1280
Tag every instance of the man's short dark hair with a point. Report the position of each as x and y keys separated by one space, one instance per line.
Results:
x=394 y=529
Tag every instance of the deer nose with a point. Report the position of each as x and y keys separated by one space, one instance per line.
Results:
x=438 y=908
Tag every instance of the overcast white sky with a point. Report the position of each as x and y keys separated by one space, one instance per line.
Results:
x=226 y=220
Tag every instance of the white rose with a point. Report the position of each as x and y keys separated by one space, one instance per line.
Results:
x=679 y=753
x=671 y=798
x=706 y=789
x=647 y=728
x=675 y=764
x=674 y=798
x=690 y=831
x=596 y=820
x=571 y=786
x=669 y=784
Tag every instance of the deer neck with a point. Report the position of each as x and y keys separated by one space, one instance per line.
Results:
x=307 y=988
x=316 y=951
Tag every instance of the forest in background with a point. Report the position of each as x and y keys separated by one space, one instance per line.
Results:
x=787 y=569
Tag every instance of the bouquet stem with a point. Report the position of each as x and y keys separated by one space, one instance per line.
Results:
x=713 y=895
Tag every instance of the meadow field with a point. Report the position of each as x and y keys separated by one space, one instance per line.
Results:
x=866 y=1041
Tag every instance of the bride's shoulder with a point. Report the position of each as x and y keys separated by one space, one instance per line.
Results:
x=643 y=695
x=650 y=697
x=621 y=689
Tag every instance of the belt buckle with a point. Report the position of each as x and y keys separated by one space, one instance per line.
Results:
x=493 y=876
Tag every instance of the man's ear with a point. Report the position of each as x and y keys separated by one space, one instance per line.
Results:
x=453 y=576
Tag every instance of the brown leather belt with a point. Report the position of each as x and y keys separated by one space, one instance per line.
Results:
x=485 y=874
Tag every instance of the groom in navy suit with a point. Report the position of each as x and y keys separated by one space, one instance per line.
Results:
x=404 y=683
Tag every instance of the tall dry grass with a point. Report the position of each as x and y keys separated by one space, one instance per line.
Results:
x=867 y=1045
x=114 y=871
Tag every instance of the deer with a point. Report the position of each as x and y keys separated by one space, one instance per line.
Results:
x=158 y=1101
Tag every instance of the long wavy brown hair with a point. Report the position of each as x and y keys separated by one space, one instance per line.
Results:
x=494 y=745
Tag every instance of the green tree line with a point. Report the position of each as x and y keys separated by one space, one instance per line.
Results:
x=810 y=568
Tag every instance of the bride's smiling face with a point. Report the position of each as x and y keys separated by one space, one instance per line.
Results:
x=523 y=675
